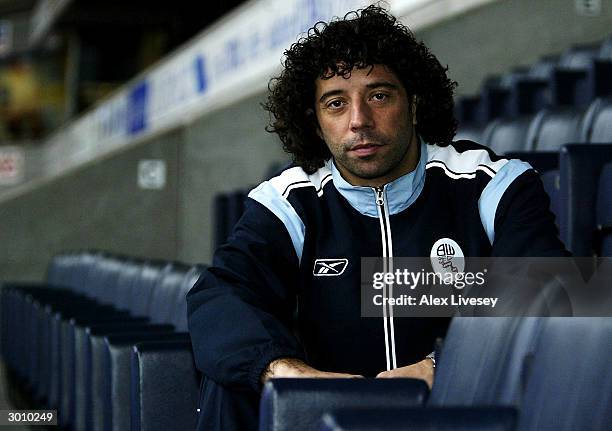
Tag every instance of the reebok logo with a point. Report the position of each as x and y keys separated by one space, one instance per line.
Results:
x=329 y=267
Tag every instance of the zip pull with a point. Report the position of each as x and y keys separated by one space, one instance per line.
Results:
x=380 y=196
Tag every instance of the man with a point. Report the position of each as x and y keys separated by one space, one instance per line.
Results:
x=366 y=113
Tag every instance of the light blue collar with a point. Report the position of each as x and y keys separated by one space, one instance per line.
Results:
x=399 y=194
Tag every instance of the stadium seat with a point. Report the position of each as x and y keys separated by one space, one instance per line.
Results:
x=552 y=128
x=164 y=387
x=579 y=57
x=88 y=335
x=466 y=109
x=504 y=136
x=220 y=219
x=111 y=353
x=598 y=122
x=469 y=134
x=71 y=334
x=446 y=419
x=544 y=67
x=550 y=179
x=489 y=352
x=565 y=392
x=580 y=167
x=603 y=232
x=298 y=404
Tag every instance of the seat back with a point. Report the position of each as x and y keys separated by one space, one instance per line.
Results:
x=595 y=125
x=570 y=380
x=468 y=133
x=179 y=318
x=55 y=270
x=466 y=110
x=481 y=361
x=579 y=57
x=142 y=289
x=605 y=50
x=220 y=205
x=580 y=166
x=601 y=129
x=551 y=129
x=97 y=276
x=604 y=212
x=544 y=68
x=235 y=208
x=299 y=404
x=527 y=96
x=507 y=135
x=105 y=288
x=128 y=277
x=493 y=103
x=550 y=179
x=163 y=299
x=76 y=274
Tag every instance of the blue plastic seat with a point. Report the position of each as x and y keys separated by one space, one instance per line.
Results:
x=603 y=232
x=553 y=128
x=504 y=136
x=580 y=167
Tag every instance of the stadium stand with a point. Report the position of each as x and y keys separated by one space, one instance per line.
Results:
x=104 y=340
x=82 y=326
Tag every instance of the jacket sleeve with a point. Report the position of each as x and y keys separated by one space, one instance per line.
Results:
x=240 y=310
x=524 y=224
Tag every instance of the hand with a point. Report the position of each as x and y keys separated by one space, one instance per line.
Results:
x=423 y=370
x=290 y=367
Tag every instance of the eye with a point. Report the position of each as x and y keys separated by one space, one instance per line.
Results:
x=379 y=97
x=335 y=104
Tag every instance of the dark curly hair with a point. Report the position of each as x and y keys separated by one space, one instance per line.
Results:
x=362 y=39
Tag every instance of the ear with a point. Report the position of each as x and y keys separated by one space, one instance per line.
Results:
x=413 y=108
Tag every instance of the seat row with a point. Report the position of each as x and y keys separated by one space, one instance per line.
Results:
x=492 y=373
x=547 y=129
x=574 y=78
x=557 y=116
x=578 y=180
x=83 y=341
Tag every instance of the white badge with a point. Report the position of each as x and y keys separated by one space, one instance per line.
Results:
x=447 y=257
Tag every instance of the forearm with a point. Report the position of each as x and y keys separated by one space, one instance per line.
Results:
x=296 y=368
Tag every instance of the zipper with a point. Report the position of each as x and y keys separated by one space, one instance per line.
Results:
x=380 y=198
x=387 y=252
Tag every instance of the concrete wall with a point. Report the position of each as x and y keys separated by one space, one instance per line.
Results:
x=509 y=33
x=222 y=152
x=97 y=207
x=101 y=206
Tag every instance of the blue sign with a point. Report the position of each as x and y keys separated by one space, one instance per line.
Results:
x=137 y=112
x=200 y=66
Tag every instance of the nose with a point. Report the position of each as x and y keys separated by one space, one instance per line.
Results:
x=361 y=116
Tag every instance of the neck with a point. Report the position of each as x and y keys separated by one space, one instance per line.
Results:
x=406 y=165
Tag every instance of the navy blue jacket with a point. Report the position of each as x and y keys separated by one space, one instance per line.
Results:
x=241 y=311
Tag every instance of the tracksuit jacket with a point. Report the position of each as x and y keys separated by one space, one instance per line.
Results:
x=241 y=311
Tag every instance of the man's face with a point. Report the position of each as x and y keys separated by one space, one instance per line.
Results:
x=367 y=122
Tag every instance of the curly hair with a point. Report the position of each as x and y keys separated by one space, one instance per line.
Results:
x=362 y=39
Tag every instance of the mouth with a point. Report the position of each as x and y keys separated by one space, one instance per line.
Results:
x=363 y=150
